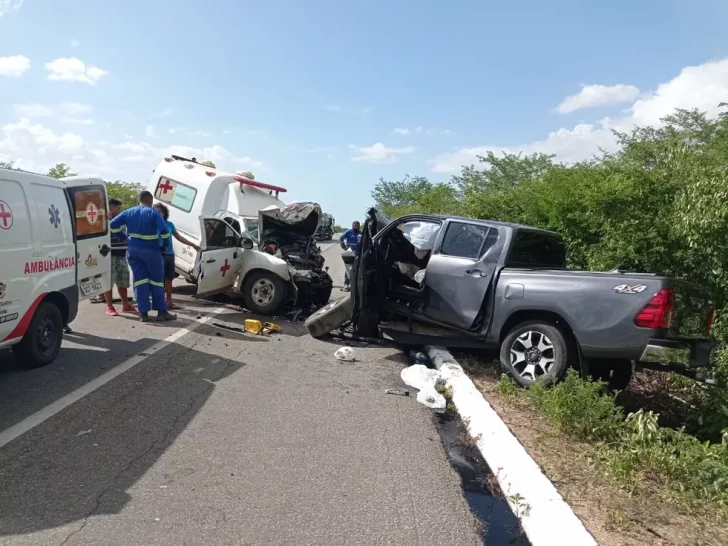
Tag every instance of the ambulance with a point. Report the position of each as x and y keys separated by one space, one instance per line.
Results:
x=221 y=211
x=54 y=252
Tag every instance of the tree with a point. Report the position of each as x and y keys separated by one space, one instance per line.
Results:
x=8 y=165
x=60 y=170
x=126 y=192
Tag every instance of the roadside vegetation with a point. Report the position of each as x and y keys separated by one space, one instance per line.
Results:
x=659 y=203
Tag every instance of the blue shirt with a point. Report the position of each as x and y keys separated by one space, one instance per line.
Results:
x=119 y=241
x=352 y=238
x=144 y=226
x=172 y=231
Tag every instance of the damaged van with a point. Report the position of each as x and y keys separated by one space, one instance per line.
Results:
x=287 y=270
x=252 y=244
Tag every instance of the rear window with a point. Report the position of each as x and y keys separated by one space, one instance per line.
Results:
x=90 y=207
x=536 y=249
x=177 y=194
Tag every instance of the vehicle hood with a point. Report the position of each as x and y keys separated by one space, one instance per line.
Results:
x=297 y=219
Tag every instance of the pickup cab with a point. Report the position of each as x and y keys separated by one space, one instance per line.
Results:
x=461 y=282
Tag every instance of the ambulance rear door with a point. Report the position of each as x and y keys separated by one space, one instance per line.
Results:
x=89 y=205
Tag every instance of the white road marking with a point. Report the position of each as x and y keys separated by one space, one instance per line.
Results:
x=32 y=421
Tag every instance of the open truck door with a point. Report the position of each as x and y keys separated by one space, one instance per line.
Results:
x=220 y=258
x=93 y=239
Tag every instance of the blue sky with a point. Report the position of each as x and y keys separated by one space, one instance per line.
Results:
x=325 y=97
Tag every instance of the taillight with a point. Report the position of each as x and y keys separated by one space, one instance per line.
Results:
x=168 y=159
x=711 y=318
x=658 y=312
x=209 y=173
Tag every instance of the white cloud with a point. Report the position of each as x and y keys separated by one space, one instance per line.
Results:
x=34 y=110
x=72 y=69
x=37 y=148
x=379 y=153
x=75 y=43
x=164 y=113
x=419 y=130
x=68 y=112
x=14 y=66
x=702 y=87
x=149 y=131
x=75 y=108
x=597 y=95
x=7 y=6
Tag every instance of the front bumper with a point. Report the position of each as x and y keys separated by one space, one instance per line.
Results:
x=688 y=354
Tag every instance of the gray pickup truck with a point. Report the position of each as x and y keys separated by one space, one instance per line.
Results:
x=460 y=282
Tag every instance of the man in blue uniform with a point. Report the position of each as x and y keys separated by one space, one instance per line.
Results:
x=144 y=227
x=350 y=240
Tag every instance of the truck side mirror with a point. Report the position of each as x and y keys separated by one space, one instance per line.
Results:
x=247 y=243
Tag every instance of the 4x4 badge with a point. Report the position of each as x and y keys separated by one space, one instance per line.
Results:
x=630 y=289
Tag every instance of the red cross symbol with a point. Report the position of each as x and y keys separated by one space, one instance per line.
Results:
x=91 y=213
x=225 y=268
x=166 y=186
x=6 y=216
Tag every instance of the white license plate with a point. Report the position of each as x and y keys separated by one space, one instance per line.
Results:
x=90 y=287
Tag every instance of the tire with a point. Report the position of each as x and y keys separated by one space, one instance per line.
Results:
x=535 y=351
x=329 y=317
x=42 y=342
x=264 y=293
x=323 y=297
x=616 y=373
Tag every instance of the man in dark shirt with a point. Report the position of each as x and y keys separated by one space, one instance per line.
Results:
x=119 y=265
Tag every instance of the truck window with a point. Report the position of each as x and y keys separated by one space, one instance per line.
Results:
x=89 y=203
x=536 y=249
x=468 y=240
x=177 y=194
x=219 y=234
x=251 y=227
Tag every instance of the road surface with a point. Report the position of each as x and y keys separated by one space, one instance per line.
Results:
x=145 y=434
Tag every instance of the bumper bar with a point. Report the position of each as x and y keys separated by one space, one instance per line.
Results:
x=693 y=354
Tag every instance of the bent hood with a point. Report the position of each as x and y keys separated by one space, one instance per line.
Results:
x=296 y=219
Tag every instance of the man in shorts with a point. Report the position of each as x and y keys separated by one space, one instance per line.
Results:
x=119 y=265
x=169 y=273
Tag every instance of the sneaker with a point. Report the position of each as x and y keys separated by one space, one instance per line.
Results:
x=163 y=316
x=111 y=312
x=129 y=309
x=67 y=329
x=143 y=317
x=345 y=289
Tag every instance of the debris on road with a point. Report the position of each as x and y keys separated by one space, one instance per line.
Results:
x=345 y=353
x=424 y=379
x=418 y=356
x=398 y=392
x=254 y=326
x=84 y=432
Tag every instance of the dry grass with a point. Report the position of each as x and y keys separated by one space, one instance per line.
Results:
x=612 y=516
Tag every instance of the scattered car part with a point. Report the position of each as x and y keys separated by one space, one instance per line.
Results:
x=329 y=317
x=344 y=353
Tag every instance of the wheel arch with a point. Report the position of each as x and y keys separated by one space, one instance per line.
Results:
x=60 y=301
x=547 y=316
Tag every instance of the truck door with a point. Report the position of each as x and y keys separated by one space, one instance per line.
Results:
x=220 y=256
x=93 y=239
x=459 y=274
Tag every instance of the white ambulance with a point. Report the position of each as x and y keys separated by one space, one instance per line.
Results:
x=54 y=252
x=222 y=211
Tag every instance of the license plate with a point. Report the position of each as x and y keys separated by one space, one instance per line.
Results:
x=90 y=287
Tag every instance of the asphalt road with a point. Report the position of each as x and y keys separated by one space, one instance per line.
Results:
x=219 y=437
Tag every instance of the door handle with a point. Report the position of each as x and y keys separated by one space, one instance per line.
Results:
x=211 y=260
x=235 y=255
x=475 y=272
x=104 y=250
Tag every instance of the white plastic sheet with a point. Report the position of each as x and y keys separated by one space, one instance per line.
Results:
x=345 y=353
x=425 y=379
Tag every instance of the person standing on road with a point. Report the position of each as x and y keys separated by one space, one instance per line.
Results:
x=145 y=226
x=350 y=241
x=169 y=254
x=119 y=265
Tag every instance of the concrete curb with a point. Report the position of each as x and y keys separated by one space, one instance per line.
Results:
x=546 y=518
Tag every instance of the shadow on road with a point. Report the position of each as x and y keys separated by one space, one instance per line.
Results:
x=83 y=461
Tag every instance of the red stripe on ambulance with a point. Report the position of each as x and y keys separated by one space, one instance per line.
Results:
x=22 y=326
